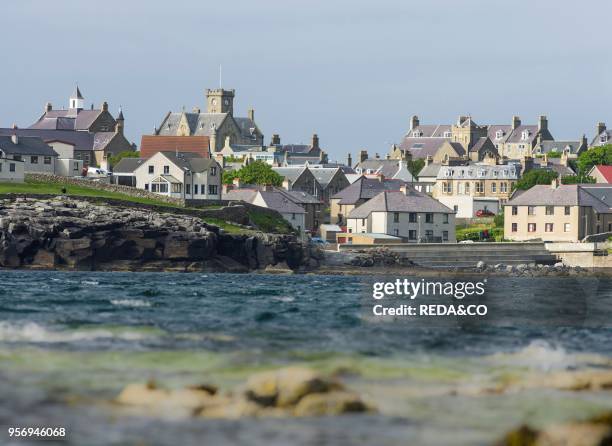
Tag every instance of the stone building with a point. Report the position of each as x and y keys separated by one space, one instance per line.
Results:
x=559 y=213
x=603 y=135
x=217 y=123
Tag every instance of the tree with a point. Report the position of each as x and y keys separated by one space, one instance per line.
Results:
x=536 y=176
x=113 y=160
x=257 y=172
x=577 y=179
x=415 y=166
x=594 y=157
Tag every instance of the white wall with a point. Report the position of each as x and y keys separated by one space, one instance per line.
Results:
x=68 y=167
x=5 y=171
x=468 y=205
x=64 y=150
x=383 y=223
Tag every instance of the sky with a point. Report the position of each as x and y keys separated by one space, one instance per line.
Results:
x=351 y=71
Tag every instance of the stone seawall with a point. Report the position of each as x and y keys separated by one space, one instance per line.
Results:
x=75 y=234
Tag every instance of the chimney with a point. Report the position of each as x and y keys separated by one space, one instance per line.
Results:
x=275 y=140
x=584 y=143
x=363 y=155
x=349 y=160
x=387 y=156
x=15 y=138
x=236 y=183
x=105 y=106
x=220 y=159
x=380 y=177
x=526 y=164
x=414 y=122
x=377 y=156
x=196 y=110
x=543 y=123
x=48 y=107
x=404 y=189
x=251 y=114
x=269 y=188
x=428 y=160
x=286 y=184
x=554 y=183
x=315 y=141
x=564 y=157
x=516 y=122
x=601 y=127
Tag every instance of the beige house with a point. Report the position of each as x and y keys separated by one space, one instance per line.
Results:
x=468 y=188
x=180 y=175
x=602 y=174
x=559 y=213
x=411 y=215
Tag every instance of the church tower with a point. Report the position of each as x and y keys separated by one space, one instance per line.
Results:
x=219 y=100
x=76 y=99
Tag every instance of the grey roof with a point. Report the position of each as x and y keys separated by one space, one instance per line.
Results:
x=517 y=135
x=429 y=131
x=80 y=140
x=291 y=173
x=458 y=148
x=248 y=128
x=279 y=202
x=200 y=124
x=66 y=119
x=389 y=168
x=189 y=161
x=365 y=189
x=422 y=147
x=431 y=170
x=560 y=146
x=555 y=165
x=566 y=195
x=494 y=128
x=325 y=175
x=607 y=136
x=397 y=201
x=299 y=159
x=26 y=145
x=479 y=171
x=127 y=165
x=300 y=197
x=247 y=195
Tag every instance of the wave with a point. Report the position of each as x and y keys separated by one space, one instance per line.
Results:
x=130 y=302
x=90 y=282
x=33 y=332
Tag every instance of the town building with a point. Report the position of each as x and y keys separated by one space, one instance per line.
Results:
x=91 y=135
x=272 y=198
x=559 y=213
x=31 y=153
x=123 y=171
x=396 y=169
x=184 y=175
x=572 y=148
x=603 y=135
x=322 y=182
x=601 y=174
x=354 y=195
x=409 y=214
x=217 y=123
x=468 y=188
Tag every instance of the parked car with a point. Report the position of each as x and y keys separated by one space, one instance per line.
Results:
x=318 y=241
x=96 y=172
x=484 y=213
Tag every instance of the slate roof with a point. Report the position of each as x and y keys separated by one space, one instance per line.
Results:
x=66 y=119
x=430 y=131
x=189 y=161
x=388 y=168
x=480 y=172
x=459 y=148
x=560 y=146
x=202 y=124
x=422 y=147
x=279 y=202
x=127 y=165
x=595 y=196
x=324 y=175
x=245 y=125
x=431 y=170
x=365 y=189
x=26 y=145
x=291 y=173
x=494 y=128
x=397 y=201
x=517 y=134
x=246 y=195
x=555 y=165
x=80 y=140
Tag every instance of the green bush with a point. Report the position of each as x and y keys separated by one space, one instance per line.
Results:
x=498 y=220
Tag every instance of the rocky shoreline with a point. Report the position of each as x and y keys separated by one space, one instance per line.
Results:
x=75 y=234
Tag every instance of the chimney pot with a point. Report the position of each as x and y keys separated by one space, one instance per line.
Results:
x=601 y=127
x=516 y=122
x=251 y=114
x=105 y=106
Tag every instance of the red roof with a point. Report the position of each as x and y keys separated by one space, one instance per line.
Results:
x=606 y=172
x=151 y=144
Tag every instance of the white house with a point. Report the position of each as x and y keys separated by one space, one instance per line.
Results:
x=11 y=170
x=180 y=175
x=412 y=215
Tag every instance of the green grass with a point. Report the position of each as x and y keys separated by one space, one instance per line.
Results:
x=268 y=223
x=472 y=232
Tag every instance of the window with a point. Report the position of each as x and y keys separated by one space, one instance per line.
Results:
x=213 y=171
x=17 y=157
x=12 y=167
x=163 y=188
x=76 y=165
x=445 y=218
x=567 y=210
x=525 y=135
x=445 y=236
x=177 y=188
x=514 y=227
x=493 y=187
x=479 y=187
x=147 y=186
x=503 y=187
x=363 y=221
x=212 y=189
x=202 y=189
x=0 y=167
x=550 y=210
x=34 y=159
x=428 y=218
x=514 y=210
x=187 y=188
x=396 y=232
x=412 y=217
x=531 y=210
x=603 y=138
x=412 y=234
x=456 y=208
x=47 y=160
x=195 y=189
x=293 y=216
x=166 y=170
x=151 y=169
x=447 y=187
x=531 y=227
x=499 y=134
x=429 y=234
x=467 y=188
x=548 y=227
x=396 y=217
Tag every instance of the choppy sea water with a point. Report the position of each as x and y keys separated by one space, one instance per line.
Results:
x=70 y=341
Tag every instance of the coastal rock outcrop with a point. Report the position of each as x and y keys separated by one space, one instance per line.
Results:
x=292 y=391
x=66 y=233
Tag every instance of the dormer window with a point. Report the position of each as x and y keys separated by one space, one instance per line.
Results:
x=603 y=138
x=499 y=134
x=447 y=134
x=525 y=134
x=417 y=134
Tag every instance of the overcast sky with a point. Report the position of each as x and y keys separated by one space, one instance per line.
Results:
x=352 y=71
